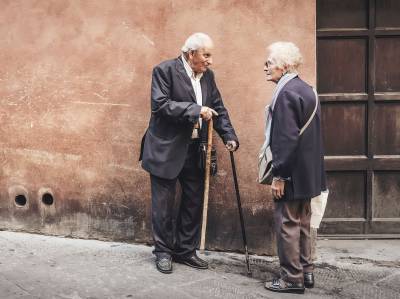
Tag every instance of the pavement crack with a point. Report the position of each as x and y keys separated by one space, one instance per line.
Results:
x=361 y=261
x=387 y=277
x=18 y=286
x=23 y=289
x=193 y=282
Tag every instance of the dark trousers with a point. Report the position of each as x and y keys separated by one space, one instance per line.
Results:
x=184 y=239
x=292 y=221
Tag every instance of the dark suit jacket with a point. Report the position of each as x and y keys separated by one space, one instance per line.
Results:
x=299 y=157
x=174 y=112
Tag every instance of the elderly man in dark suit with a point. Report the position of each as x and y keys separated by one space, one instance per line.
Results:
x=184 y=96
x=297 y=165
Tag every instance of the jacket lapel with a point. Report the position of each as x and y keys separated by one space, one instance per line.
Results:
x=204 y=90
x=187 y=84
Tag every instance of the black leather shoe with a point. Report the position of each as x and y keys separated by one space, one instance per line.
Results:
x=309 y=280
x=281 y=286
x=164 y=264
x=192 y=261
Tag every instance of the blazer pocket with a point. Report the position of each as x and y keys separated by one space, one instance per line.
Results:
x=157 y=135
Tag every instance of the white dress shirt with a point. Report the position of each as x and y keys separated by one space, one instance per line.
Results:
x=195 y=79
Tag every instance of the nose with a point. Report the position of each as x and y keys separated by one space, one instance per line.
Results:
x=265 y=68
x=210 y=61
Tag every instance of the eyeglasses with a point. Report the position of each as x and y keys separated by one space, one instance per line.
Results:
x=269 y=63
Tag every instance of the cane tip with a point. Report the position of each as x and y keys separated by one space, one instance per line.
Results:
x=249 y=274
x=204 y=252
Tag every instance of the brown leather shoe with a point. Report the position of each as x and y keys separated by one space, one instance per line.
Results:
x=309 y=280
x=281 y=286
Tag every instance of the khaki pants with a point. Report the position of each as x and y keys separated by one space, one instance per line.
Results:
x=292 y=222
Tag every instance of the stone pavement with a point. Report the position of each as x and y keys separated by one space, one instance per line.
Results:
x=37 y=266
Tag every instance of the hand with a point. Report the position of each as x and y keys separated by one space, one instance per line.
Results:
x=207 y=113
x=231 y=145
x=278 y=188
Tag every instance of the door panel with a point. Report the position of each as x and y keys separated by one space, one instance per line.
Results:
x=388 y=13
x=342 y=14
x=386 y=195
x=339 y=70
x=387 y=129
x=347 y=195
x=348 y=135
x=387 y=64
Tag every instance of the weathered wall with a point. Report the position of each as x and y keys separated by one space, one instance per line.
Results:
x=74 y=94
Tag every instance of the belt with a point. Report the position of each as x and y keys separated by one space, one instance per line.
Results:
x=195 y=134
x=194 y=142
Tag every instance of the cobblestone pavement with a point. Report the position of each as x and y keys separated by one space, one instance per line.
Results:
x=36 y=266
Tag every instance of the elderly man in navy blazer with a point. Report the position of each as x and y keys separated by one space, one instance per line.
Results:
x=295 y=138
x=184 y=96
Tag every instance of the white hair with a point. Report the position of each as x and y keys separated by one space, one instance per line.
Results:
x=285 y=55
x=197 y=41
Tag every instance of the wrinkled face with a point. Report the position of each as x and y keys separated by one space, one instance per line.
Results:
x=272 y=71
x=200 y=60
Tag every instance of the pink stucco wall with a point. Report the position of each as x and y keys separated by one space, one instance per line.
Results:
x=74 y=95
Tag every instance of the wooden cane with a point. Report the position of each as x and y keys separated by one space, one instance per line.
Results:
x=206 y=186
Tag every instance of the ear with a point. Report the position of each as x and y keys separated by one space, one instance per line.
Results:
x=285 y=69
x=191 y=54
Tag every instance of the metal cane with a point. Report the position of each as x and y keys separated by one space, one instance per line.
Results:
x=206 y=186
x=240 y=213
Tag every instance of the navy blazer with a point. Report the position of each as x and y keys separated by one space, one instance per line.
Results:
x=299 y=157
x=174 y=112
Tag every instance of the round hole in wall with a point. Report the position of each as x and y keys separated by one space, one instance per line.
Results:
x=20 y=200
x=47 y=199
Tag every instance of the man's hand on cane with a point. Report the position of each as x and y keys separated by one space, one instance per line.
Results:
x=207 y=113
x=231 y=145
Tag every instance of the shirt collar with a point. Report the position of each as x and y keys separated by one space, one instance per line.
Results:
x=189 y=70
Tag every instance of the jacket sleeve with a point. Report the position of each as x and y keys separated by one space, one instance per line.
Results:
x=285 y=133
x=163 y=105
x=222 y=122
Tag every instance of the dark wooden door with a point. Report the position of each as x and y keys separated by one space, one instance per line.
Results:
x=358 y=73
